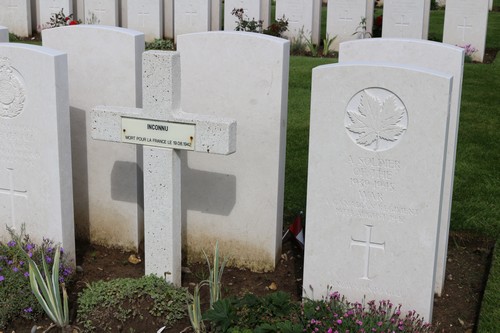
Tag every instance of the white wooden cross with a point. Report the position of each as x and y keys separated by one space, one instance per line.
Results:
x=162 y=166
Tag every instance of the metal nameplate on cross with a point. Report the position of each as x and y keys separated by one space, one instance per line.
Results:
x=163 y=129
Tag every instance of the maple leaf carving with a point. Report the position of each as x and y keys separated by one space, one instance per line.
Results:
x=376 y=120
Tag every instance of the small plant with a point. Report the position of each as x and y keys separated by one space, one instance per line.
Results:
x=59 y=20
x=361 y=30
x=47 y=289
x=16 y=298
x=105 y=301
x=160 y=44
x=245 y=24
x=298 y=43
x=278 y=28
x=469 y=52
x=13 y=37
x=214 y=283
x=92 y=18
x=336 y=314
x=327 y=43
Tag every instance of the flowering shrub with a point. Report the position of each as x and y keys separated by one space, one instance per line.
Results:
x=244 y=24
x=59 y=20
x=335 y=314
x=16 y=298
x=469 y=51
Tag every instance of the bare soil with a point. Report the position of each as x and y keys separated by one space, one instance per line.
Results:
x=456 y=310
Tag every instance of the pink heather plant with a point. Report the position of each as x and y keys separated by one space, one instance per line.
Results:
x=334 y=314
x=469 y=51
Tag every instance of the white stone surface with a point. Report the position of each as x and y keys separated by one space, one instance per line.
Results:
x=466 y=22
x=16 y=15
x=35 y=152
x=300 y=15
x=490 y=7
x=192 y=16
x=265 y=12
x=123 y=13
x=105 y=176
x=403 y=19
x=102 y=12
x=49 y=7
x=146 y=16
x=216 y=15
x=343 y=18
x=252 y=11
x=162 y=173
x=4 y=34
x=238 y=199
x=79 y=9
x=427 y=17
x=368 y=192
x=168 y=19
x=445 y=58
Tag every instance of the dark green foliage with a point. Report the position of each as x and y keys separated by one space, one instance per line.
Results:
x=270 y=313
x=160 y=44
x=115 y=299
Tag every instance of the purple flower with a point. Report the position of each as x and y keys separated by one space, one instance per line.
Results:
x=48 y=259
x=11 y=243
x=28 y=310
x=339 y=321
x=15 y=269
x=1 y=278
x=30 y=247
x=26 y=274
x=10 y=262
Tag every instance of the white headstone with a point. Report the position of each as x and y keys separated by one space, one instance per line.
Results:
x=107 y=203
x=373 y=206
x=491 y=5
x=162 y=166
x=216 y=15
x=146 y=16
x=343 y=18
x=265 y=12
x=192 y=16
x=403 y=19
x=427 y=17
x=445 y=58
x=102 y=12
x=123 y=13
x=237 y=200
x=35 y=162
x=466 y=22
x=168 y=19
x=4 y=34
x=79 y=9
x=252 y=11
x=50 y=7
x=300 y=15
x=16 y=15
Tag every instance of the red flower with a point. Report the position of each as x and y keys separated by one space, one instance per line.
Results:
x=379 y=20
x=73 y=22
x=66 y=19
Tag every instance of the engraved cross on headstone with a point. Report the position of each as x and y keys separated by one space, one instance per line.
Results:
x=368 y=245
x=464 y=27
x=143 y=13
x=162 y=169
x=191 y=13
x=12 y=192
x=402 y=25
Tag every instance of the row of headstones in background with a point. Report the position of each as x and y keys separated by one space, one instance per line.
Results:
x=212 y=186
x=386 y=109
x=465 y=21
x=443 y=3
x=153 y=17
